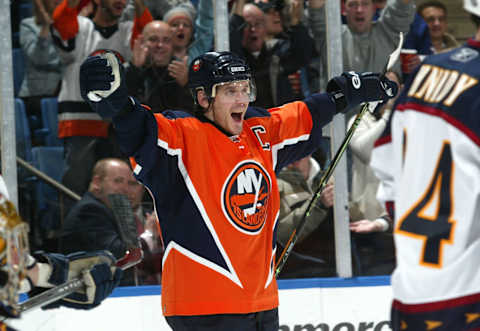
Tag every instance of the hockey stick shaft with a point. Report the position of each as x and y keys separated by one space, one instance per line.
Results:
x=328 y=173
x=323 y=182
x=132 y=258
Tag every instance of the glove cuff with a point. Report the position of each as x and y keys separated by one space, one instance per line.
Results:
x=335 y=91
x=128 y=107
x=53 y=269
x=351 y=89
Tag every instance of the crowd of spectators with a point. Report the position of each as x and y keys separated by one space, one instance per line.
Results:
x=283 y=41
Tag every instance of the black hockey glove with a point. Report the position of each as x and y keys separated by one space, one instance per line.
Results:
x=351 y=89
x=96 y=269
x=103 y=86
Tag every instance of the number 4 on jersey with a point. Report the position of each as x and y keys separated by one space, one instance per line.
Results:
x=435 y=229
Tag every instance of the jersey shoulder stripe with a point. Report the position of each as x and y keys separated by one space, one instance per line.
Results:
x=452 y=120
x=447 y=85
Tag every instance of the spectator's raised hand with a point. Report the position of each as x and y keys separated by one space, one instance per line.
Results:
x=327 y=195
x=237 y=7
x=45 y=17
x=296 y=12
x=73 y=3
x=179 y=70
x=139 y=7
x=139 y=52
x=87 y=10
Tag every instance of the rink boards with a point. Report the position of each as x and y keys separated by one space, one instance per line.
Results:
x=320 y=304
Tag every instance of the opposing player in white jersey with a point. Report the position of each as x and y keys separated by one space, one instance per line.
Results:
x=428 y=161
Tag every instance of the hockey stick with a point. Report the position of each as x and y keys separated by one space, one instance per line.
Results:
x=392 y=58
x=125 y=219
x=131 y=258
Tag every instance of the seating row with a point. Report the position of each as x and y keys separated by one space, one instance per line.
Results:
x=18 y=62
x=25 y=9
x=49 y=159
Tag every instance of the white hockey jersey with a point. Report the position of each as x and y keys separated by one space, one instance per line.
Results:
x=428 y=161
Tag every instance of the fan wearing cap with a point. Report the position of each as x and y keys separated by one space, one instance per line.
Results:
x=273 y=18
x=280 y=18
x=192 y=33
x=181 y=19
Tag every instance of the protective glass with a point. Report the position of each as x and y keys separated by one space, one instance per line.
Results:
x=242 y=90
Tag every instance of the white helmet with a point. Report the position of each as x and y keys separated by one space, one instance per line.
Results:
x=472 y=6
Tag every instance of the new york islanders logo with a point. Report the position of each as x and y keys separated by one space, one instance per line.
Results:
x=245 y=197
x=196 y=65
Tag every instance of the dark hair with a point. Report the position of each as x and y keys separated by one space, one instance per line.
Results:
x=475 y=19
x=432 y=3
x=277 y=5
x=344 y=1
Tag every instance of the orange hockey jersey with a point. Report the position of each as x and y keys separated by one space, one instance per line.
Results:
x=217 y=199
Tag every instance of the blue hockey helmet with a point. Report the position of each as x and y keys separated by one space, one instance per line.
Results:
x=212 y=69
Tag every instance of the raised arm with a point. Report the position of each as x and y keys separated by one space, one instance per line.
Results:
x=44 y=17
x=317 y=24
x=37 y=47
x=344 y=92
x=236 y=26
x=300 y=49
x=65 y=19
x=203 y=41
x=397 y=17
x=139 y=8
x=142 y=18
x=365 y=136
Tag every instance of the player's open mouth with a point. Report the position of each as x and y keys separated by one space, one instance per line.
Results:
x=180 y=36
x=118 y=6
x=237 y=117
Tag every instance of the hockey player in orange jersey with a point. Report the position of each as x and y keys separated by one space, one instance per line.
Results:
x=212 y=177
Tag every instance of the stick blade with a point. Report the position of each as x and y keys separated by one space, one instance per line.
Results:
x=393 y=57
x=133 y=257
